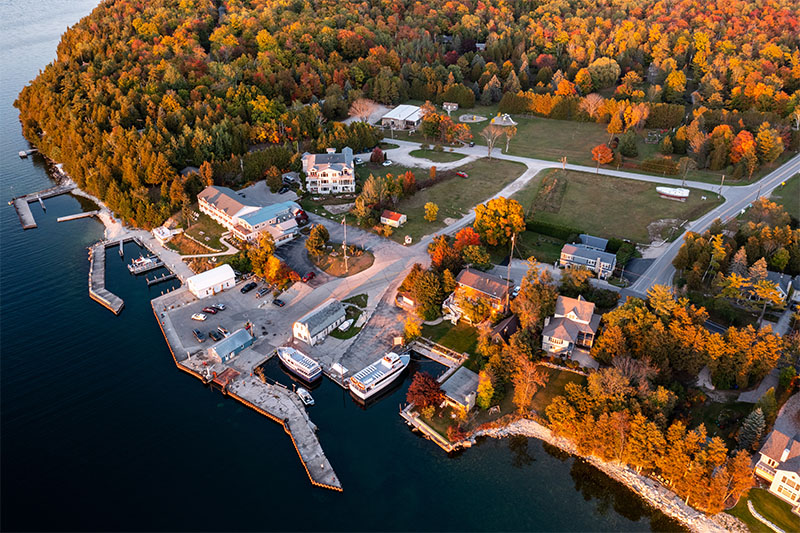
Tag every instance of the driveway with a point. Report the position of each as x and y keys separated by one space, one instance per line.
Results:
x=259 y=194
x=294 y=254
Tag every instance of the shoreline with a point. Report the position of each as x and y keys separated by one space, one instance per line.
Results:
x=653 y=493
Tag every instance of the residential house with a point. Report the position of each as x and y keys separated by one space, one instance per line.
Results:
x=784 y=282
x=390 y=218
x=212 y=281
x=779 y=464
x=476 y=285
x=315 y=326
x=504 y=329
x=573 y=325
x=589 y=253
x=403 y=117
x=461 y=389
x=330 y=173
x=231 y=346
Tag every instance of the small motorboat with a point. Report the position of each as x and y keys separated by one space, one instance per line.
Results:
x=305 y=396
x=346 y=325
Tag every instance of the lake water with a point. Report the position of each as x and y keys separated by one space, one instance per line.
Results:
x=101 y=432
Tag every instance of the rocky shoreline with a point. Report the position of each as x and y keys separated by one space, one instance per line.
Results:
x=649 y=490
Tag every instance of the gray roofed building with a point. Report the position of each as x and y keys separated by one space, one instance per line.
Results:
x=223 y=205
x=783 y=281
x=505 y=328
x=461 y=388
x=581 y=255
x=227 y=348
x=487 y=284
x=330 y=172
x=315 y=326
x=598 y=243
x=574 y=324
x=780 y=465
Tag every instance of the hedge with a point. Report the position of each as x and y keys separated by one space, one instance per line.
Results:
x=564 y=233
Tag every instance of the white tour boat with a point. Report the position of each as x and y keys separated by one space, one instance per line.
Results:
x=305 y=396
x=378 y=375
x=673 y=193
x=299 y=363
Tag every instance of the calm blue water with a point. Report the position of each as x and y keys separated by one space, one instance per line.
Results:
x=101 y=432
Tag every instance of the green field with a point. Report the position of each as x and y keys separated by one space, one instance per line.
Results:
x=612 y=207
x=770 y=507
x=437 y=157
x=789 y=196
x=456 y=196
x=205 y=230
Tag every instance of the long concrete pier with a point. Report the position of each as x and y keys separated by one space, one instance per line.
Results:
x=77 y=216
x=97 y=280
x=21 y=203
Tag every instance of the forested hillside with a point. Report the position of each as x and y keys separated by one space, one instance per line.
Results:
x=142 y=88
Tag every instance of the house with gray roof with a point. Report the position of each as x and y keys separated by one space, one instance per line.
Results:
x=315 y=326
x=573 y=325
x=784 y=282
x=779 y=465
x=403 y=117
x=589 y=253
x=475 y=285
x=230 y=346
x=461 y=389
x=330 y=173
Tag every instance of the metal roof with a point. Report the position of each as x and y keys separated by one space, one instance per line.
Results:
x=269 y=212
x=232 y=342
x=323 y=317
x=404 y=112
x=212 y=277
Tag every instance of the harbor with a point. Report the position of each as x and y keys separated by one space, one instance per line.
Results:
x=23 y=208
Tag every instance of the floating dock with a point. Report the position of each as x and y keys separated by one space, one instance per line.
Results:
x=21 y=203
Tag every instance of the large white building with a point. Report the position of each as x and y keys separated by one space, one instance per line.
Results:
x=330 y=173
x=315 y=326
x=403 y=117
x=212 y=281
x=246 y=221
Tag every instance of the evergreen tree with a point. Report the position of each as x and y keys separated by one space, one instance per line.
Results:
x=627 y=145
x=752 y=429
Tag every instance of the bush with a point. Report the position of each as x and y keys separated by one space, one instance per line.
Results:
x=660 y=165
x=564 y=233
x=627 y=145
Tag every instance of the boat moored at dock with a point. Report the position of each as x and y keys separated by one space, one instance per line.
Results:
x=379 y=375
x=143 y=264
x=299 y=363
x=305 y=396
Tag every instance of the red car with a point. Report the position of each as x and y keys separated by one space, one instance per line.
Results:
x=462 y=174
x=308 y=277
x=210 y=310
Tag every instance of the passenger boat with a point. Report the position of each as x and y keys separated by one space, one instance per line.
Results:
x=673 y=193
x=143 y=264
x=305 y=396
x=299 y=363
x=378 y=375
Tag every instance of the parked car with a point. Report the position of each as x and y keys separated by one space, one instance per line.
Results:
x=210 y=310
x=198 y=335
x=283 y=190
x=249 y=287
x=199 y=316
x=216 y=335
x=219 y=307
x=462 y=174
x=387 y=163
x=471 y=144
x=222 y=330
x=308 y=277
x=279 y=303
x=358 y=160
x=516 y=290
x=262 y=291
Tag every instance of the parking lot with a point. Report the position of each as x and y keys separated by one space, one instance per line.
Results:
x=294 y=254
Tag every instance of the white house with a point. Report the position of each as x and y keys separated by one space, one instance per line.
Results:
x=403 y=117
x=574 y=324
x=780 y=465
x=330 y=173
x=212 y=281
x=390 y=218
x=315 y=326
x=589 y=253
x=223 y=205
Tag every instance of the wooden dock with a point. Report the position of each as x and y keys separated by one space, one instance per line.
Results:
x=97 y=280
x=21 y=203
x=161 y=279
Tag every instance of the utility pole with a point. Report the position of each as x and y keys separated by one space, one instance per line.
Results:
x=721 y=183
x=344 y=244
x=508 y=274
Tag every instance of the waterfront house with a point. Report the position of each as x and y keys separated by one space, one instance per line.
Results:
x=461 y=389
x=390 y=218
x=589 y=253
x=230 y=346
x=211 y=281
x=779 y=464
x=475 y=285
x=330 y=173
x=313 y=327
x=403 y=117
x=573 y=325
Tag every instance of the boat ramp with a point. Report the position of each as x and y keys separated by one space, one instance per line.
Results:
x=22 y=203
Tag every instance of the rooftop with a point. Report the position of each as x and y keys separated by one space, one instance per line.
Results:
x=582 y=309
x=391 y=215
x=506 y=327
x=404 y=112
x=235 y=340
x=335 y=161
x=209 y=278
x=488 y=284
x=593 y=242
x=323 y=316
x=460 y=385
x=586 y=252
x=269 y=212
x=784 y=281
x=224 y=199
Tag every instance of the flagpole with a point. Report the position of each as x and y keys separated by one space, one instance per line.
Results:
x=344 y=244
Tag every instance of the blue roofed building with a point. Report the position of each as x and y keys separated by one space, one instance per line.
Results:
x=277 y=219
x=589 y=253
x=230 y=346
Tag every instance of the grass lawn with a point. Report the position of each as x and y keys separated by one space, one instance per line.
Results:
x=721 y=419
x=335 y=266
x=441 y=420
x=789 y=196
x=544 y=248
x=437 y=157
x=555 y=386
x=363 y=171
x=185 y=246
x=359 y=300
x=460 y=338
x=206 y=230
x=770 y=507
x=456 y=196
x=351 y=313
x=612 y=207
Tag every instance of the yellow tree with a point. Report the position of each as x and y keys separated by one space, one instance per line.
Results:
x=498 y=219
x=260 y=253
x=767 y=292
x=735 y=286
x=431 y=211
x=527 y=379
x=485 y=389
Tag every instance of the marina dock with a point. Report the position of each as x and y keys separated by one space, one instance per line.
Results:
x=97 y=280
x=77 y=216
x=21 y=203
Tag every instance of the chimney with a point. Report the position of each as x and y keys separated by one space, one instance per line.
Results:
x=330 y=150
x=348 y=153
x=785 y=454
x=546 y=321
